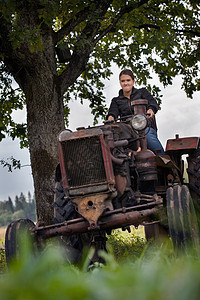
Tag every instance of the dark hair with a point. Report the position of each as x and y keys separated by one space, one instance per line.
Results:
x=127 y=72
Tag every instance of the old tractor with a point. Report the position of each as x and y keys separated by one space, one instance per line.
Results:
x=108 y=179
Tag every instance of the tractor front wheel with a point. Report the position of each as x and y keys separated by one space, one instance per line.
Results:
x=64 y=210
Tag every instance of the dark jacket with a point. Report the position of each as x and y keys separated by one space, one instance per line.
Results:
x=122 y=106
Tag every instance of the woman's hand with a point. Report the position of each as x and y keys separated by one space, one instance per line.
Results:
x=150 y=113
x=110 y=118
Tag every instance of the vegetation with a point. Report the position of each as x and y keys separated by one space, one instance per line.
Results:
x=56 y=50
x=124 y=245
x=156 y=274
x=120 y=244
x=3 y=265
x=22 y=208
x=152 y=272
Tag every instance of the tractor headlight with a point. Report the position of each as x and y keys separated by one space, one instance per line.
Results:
x=139 y=122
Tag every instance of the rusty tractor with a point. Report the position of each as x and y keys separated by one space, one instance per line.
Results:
x=104 y=182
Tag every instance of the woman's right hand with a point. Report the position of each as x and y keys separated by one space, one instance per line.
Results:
x=110 y=118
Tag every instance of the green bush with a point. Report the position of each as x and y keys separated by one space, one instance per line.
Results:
x=3 y=265
x=5 y=218
x=125 y=245
x=19 y=214
x=21 y=208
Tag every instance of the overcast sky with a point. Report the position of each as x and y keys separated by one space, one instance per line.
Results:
x=178 y=114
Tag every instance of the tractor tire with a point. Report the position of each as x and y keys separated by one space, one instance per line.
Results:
x=13 y=237
x=193 y=171
x=74 y=245
x=65 y=210
x=183 y=226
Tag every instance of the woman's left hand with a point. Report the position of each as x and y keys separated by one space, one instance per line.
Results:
x=150 y=113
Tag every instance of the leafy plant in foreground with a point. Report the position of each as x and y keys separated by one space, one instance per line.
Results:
x=157 y=274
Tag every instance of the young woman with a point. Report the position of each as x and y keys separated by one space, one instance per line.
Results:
x=123 y=106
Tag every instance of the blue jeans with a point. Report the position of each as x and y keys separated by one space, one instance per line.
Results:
x=153 y=142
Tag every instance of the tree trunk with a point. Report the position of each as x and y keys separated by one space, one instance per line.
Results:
x=44 y=91
x=37 y=76
x=45 y=118
x=36 y=73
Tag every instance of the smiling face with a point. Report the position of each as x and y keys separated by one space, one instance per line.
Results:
x=126 y=83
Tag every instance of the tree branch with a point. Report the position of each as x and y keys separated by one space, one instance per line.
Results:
x=71 y=24
x=5 y=28
x=79 y=58
x=148 y=26
x=78 y=18
x=81 y=53
x=124 y=10
x=192 y=32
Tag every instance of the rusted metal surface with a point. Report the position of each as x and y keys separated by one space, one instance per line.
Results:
x=121 y=183
x=90 y=189
x=62 y=166
x=165 y=161
x=93 y=195
x=145 y=159
x=85 y=161
x=146 y=165
x=128 y=218
x=82 y=133
x=139 y=106
x=182 y=144
x=107 y=161
x=92 y=206
x=80 y=225
x=153 y=230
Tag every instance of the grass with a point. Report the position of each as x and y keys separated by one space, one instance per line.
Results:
x=156 y=274
x=3 y=265
x=134 y=269
x=120 y=243
x=2 y=236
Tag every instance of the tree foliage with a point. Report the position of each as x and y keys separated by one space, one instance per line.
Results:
x=56 y=50
x=10 y=99
x=162 y=36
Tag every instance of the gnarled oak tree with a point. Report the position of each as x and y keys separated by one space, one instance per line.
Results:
x=55 y=48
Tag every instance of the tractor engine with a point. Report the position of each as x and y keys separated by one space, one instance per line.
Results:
x=99 y=168
x=87 y=173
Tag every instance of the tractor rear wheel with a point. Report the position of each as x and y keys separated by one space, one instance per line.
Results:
x=193 y=171
x=15 y=232
x=183 y=226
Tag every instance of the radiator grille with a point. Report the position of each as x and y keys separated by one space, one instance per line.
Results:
x=83 y=161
